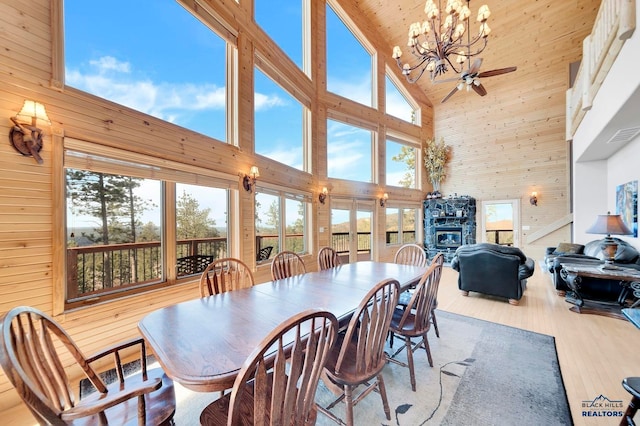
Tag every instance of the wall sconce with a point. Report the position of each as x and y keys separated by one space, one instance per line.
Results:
x=250 y=180
x=383 y=199
x=534 y=198
x=25 y=137
x=323 y=195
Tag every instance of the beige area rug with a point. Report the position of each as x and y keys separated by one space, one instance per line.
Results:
x=483 y=374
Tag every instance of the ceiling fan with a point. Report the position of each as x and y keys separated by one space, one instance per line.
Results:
x=471 y=79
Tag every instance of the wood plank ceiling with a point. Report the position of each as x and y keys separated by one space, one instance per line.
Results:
x=516 y=28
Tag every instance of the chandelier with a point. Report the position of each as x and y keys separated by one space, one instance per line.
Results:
x=441 y=35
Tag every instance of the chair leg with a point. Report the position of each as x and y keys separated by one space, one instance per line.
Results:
x=435 y=323
x=412 y=374
x=631 y=411
x=383 y=395
x=425 y=342
x=348 y=399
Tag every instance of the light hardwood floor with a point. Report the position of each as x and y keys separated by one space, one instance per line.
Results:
x=595 y=352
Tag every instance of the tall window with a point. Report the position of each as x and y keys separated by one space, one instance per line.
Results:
x=401 y=225
x=401 y=164
x=281 y=221
x=349 y=63
x=284 y=21
x=396 y=103
x=156 y=58
x=279 y=123
x=201 y=227
x=349 y=152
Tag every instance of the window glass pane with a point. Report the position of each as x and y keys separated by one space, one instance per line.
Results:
x=283 y=21
x=295 y=220
x=349 y=64
x=396 y=104
x=401 y=165
x=392 y=226
x=201 y=227
x=156 y=58
x=409 y=225
x=349 y=152
x=114 y=228
x=278 y=123
x=267 y=222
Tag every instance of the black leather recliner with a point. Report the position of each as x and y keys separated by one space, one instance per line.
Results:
x=493 y=269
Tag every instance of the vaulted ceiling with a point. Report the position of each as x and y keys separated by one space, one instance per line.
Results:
x=517 y=26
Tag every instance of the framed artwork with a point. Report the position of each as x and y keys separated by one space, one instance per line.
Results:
x=627 y=204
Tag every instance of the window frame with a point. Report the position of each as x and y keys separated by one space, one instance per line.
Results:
x=418 y=220
x=200 y=11
x=366 y=45
x=389 y=75
x=74 y=152
x=284 y=194
x=279 y=79
x=363 y=125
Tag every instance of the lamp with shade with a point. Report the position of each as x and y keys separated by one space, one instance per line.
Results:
x=25 y=136
x=608 y=224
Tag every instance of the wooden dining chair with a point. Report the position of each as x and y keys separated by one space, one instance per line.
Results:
x=438 y=258
x=327 y=258
x=411 y=254
x=224 y=275
x=358 y=356
x=35 y=353
x=277 y=383
x=287 y=264
x=414 y=320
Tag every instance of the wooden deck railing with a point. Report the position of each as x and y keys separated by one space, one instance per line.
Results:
x=95 y=269
x=614 y=24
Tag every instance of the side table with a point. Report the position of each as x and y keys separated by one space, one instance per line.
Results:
x=629 y=281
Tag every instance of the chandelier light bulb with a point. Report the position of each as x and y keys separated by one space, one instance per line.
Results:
x=483 y=13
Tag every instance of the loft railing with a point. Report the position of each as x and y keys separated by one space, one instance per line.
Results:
x=614 y=24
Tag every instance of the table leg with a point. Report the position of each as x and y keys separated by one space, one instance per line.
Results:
x=573 y=281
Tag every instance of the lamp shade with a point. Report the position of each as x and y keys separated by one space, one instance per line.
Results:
x=609 y=224
x=32 y=111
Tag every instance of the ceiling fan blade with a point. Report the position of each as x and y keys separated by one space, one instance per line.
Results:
x=446 y=80
x=497 y=72
x=475 y=67
x=479 y=89
x=450 y=94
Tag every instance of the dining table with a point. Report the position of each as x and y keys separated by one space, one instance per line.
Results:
x=203 y=343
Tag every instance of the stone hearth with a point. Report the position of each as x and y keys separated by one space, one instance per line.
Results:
x=448 y=224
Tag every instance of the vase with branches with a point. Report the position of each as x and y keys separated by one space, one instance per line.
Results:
x=435 y=160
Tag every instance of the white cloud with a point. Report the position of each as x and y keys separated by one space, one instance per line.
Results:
x=263 y=102
x=109 y=63
x=356 y=91
x=112 y=80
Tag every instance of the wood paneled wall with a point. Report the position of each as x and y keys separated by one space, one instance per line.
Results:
x=504 y=145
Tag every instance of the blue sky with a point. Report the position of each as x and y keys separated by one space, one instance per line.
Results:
x=158 y=59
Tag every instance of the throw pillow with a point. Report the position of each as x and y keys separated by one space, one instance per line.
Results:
x=568 y=248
